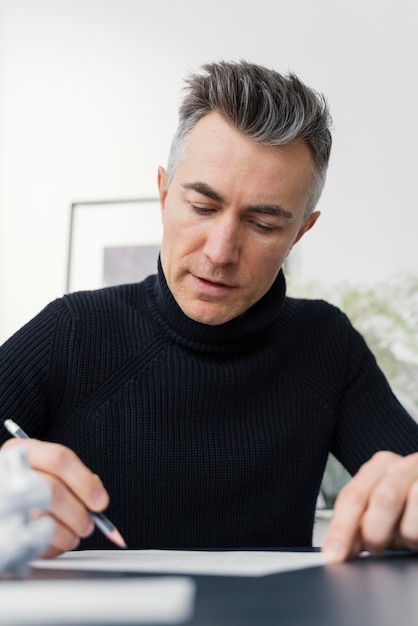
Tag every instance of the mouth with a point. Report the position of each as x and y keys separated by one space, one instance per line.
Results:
x=209 y=286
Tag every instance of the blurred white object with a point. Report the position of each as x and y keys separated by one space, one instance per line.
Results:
x=24 y=535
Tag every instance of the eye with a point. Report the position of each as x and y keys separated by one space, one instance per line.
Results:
x=202 y=210
x=263 y=228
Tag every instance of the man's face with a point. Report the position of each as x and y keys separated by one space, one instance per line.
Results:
x=231 y=215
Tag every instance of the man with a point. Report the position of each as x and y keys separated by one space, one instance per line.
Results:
x=205 y=400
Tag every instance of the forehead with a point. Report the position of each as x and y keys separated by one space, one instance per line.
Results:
x=217 y=153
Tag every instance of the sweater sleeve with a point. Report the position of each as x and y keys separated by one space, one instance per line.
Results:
x=370 y=417
x=24 y=372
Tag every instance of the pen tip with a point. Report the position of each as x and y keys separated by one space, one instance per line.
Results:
x=117 y=538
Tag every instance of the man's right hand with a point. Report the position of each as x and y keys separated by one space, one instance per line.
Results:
x=75 y=489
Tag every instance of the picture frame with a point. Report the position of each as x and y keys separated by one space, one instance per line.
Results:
x=112 y=242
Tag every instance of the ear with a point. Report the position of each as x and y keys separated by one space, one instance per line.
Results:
x=307 y=225
x=162 y=182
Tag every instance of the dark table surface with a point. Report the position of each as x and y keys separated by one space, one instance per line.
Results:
x=363 y=592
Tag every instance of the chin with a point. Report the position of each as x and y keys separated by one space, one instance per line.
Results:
x=210 y=321
x=210 y=318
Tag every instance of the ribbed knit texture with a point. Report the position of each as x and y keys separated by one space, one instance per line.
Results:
x=204 y=436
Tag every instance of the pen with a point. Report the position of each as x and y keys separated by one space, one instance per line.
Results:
x=100 y=520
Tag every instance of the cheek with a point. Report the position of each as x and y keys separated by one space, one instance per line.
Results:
x=179 y=240
x=264 y=271
x=274 y=256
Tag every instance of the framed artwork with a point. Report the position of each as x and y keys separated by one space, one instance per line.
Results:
x=113 y=242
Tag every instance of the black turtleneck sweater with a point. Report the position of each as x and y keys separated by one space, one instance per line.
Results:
x=204 y=436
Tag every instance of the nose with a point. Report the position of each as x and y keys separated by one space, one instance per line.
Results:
x=222 y=244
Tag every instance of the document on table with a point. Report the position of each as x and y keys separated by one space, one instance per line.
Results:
x=218 y=563
x=96 y=601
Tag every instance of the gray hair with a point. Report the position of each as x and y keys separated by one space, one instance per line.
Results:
x=265 y=106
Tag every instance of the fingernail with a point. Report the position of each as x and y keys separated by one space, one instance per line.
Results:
x=75 y=543
x=99 y=498
x=88 y=528
x=333 y=551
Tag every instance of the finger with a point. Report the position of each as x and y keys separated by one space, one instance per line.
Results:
x=10 y=443
x=72 y=520
x=343 y=540
x=67 y=509
x=63 y=540
x=63 y=473
x=60 y=461
x=36 y=535
x=408 y=529
x=389 y=503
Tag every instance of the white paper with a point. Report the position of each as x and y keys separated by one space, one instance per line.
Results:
x=165 y=600
x=220 y=563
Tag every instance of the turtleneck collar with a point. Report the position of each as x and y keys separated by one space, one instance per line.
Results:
x=243 y=330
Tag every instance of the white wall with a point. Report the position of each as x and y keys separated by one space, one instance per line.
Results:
x=89 y=91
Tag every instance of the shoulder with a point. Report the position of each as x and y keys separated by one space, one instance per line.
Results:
x=109 y=301
x=318 y=314
x=108 y=296
x=84 y=313
x=321 y=337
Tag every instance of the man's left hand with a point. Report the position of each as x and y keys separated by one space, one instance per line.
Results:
x=376 y=510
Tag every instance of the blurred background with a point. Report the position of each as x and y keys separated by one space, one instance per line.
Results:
x=89 y=91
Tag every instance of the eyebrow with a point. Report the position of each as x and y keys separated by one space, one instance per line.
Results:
x=266 y=209
x=205 y=190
